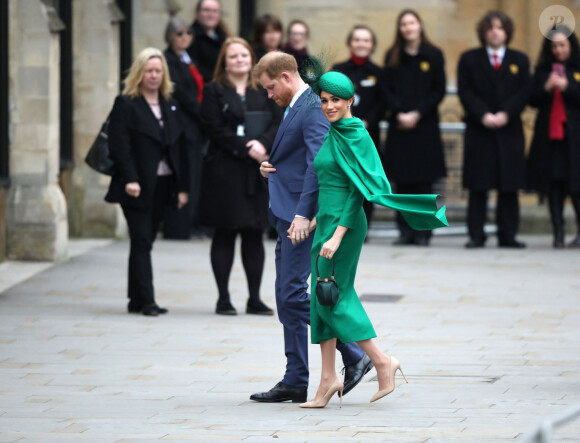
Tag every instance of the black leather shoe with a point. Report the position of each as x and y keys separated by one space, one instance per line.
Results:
x=475 y=243
x=153 y=310
x=258 y=308
x=282 y=392
x=353 y=374
x=513 y=243
x=225 y=308
x=134 y=308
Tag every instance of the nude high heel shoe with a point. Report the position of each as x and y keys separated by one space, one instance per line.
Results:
x=338 y=385
x=395 y=366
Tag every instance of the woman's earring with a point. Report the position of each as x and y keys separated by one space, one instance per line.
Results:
x=348 y=107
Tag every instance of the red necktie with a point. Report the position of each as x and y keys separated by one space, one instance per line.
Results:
x=495 y=62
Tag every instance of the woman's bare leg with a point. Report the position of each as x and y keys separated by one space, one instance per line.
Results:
x=328 y=375
x=381 y=361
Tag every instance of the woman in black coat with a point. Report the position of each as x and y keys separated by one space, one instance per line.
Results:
x=413 y=85
x=187 y=91
x=148 y=146
x=210 y=33
x=364 y=75
x=234 y=199
x=554 y=160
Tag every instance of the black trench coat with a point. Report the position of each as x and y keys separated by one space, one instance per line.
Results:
x=418 y=83
x=233 y=194
x=493 y=159
x=538 y=167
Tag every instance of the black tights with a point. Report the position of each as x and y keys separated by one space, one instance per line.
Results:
x=222 y=259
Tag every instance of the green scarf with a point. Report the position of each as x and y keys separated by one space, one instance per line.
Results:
x=355 y=153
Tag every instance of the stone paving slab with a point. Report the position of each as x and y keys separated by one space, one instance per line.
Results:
x=489 y=340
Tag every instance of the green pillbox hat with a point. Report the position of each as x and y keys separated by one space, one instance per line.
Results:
x=336 y=83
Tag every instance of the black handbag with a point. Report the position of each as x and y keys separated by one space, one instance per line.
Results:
x=326 y=288
x=98 y=156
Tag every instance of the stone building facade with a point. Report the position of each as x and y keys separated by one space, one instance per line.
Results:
x=60 y=69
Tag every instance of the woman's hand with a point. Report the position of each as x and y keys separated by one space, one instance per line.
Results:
x=266 y=168
x=257 y=151
x=331 y=246
x=182 y=199
x=133 y=189
x=407 y=120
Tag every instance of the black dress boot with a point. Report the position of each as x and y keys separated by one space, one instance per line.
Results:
x=576 y=204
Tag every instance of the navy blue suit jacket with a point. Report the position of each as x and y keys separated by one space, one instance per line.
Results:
x=294 y=186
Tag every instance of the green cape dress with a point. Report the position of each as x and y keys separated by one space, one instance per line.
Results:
x=349 y=170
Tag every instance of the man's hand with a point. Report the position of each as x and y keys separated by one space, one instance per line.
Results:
x=266 y=168
x=299 y=230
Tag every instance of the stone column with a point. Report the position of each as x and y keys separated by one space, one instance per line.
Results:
x=96 y=83
x=37 y=227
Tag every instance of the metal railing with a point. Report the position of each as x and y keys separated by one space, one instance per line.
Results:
x=543 y=432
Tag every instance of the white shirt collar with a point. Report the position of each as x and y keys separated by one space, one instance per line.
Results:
x=298 y=94
x=500 y=52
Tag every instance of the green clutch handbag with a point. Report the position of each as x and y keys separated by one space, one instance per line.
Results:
x=326 y=288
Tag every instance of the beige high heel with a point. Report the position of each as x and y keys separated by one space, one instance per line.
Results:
x=338 y=385
x=395 y=366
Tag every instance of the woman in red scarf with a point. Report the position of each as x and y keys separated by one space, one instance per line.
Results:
x=554 y=160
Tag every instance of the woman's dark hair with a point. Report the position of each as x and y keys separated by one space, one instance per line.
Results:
x=298 y=22
x=485 y=23
x=394 y=52
x=262 y=24
x=546 y=57
x=358 y=28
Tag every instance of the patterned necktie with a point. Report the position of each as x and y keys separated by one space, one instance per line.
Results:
x=495 y=62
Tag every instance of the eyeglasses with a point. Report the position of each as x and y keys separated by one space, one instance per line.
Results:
x=181 y=33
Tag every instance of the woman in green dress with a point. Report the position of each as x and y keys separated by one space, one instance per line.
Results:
x=349 y=170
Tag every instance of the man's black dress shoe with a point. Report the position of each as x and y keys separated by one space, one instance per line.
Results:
x=475 y=243
x=282 y=392
x=153 y=310
x=513 y=243
x=353 y=374
x=258 y=308
x=421 y=241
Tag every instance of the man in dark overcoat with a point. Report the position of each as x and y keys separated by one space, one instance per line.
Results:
x=493 y=86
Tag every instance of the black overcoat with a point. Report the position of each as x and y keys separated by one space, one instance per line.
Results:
x=538 y=167
x=493 y=158
x=418 y=83
x=205 y=50
x=137 y=144
x=233 y=194
x=367 y=104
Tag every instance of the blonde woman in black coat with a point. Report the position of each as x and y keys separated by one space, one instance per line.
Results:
x=554 y=159
x=148 y=145
x=234 y=199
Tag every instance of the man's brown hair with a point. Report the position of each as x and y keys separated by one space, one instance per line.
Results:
x=484 y=25
x=274 y=63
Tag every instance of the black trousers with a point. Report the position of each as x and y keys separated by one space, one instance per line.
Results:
x=405 y=231
x=143 y=226
x=507 y=215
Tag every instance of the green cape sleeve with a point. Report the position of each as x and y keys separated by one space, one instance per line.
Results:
x=355 y=153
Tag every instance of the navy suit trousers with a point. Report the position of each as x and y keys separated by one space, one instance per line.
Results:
x=293 y=305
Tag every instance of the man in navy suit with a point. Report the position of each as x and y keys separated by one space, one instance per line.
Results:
x=293 y=187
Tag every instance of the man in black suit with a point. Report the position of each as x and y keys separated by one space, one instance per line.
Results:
x=493 y=83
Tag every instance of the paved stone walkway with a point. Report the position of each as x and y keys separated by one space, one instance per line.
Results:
x=489 y=340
